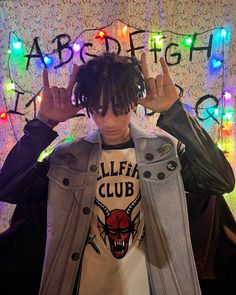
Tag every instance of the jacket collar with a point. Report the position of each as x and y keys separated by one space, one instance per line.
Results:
x=136 y=133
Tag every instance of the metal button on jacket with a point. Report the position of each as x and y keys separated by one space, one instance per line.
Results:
x=149 y=156
x=147 y=174
x=161 y=175
x=93 y=168
x=86 y=210
x=171 y=165
x=66 y=181
x=75 y=256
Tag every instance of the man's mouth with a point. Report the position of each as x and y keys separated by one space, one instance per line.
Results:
x=111 y=131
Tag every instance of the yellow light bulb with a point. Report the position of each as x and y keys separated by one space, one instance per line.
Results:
x=39 y=99
x=10 y=86
x=124 y=30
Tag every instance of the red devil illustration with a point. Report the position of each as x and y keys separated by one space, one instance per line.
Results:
x=118 y=227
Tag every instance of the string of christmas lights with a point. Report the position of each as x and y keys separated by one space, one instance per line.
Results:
x=157 y=38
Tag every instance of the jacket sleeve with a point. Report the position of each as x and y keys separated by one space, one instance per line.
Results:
x=204 y=166
x=22 y=178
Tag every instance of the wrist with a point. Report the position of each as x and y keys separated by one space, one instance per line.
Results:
x=172 y=106
x=51 y=123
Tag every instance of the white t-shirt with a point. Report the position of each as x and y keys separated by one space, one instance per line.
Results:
x=114 y=260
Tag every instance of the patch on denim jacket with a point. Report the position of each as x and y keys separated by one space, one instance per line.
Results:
x=68 y=157
x=164 y=149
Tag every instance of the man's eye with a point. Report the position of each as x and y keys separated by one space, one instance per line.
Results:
x=98 y=110
x=118 y=110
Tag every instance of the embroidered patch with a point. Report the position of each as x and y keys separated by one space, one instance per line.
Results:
x=68 y=157
x=164 y=149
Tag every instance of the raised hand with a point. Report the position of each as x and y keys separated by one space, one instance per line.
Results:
x=161 y=92
x=56 y=102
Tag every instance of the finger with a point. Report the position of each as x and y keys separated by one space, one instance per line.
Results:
x=144 y=66
x=45 y=78
x=159 y=85
x=72 y=80
x=164 y=66
x=153 y=89
x=63 y=98
x=68 y=100
x=56 y=96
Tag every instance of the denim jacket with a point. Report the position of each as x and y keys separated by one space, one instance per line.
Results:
x=166 y=169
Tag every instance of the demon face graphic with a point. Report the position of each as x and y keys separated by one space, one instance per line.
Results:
x=118 y=226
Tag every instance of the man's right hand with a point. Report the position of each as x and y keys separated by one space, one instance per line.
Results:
x=56 y=102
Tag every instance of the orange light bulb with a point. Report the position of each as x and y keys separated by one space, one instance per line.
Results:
x=101 y=34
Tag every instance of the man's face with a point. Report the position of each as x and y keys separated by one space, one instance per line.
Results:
x=114 y=129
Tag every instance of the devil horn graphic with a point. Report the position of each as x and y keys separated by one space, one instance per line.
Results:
x=102 y=207
x=131 y=206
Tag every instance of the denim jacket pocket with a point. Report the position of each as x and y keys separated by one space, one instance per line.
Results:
x=67 y=178
x=161 y=171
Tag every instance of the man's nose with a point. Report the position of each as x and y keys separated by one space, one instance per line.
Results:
x=109 y=119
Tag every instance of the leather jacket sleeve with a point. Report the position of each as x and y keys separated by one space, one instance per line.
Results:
x=204 y=166
x=22 y=178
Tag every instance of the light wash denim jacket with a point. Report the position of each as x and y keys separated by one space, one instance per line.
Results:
x=73 y=173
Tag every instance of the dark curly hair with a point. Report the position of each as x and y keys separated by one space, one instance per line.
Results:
x=109 y=78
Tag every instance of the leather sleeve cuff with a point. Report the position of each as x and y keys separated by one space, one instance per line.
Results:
x=51 y=123
x=168 y=115
x=39 y=133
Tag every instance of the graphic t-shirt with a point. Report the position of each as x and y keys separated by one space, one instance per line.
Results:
x=114 y=260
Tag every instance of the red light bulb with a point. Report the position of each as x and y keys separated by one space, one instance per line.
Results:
x=3 y=116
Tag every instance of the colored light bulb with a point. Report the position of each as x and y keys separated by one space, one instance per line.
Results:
x=124 y=30
x=227 y=95
x=228 y=115
x=101 y=34
x=188 y=40
x=48 y=60
x=216 y=111
x=227 y=128
x=223 y=33
x=216 y=63
x=3 y=116
x=159 y=40
x=17 y=44
x=39 y=99
x=76 y=47
x=10 y=86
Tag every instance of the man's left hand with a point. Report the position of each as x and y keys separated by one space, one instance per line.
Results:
x=161 y=92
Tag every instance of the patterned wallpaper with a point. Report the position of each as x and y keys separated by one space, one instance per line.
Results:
x=47 y=19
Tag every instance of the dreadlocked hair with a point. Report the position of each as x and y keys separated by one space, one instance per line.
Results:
x=109 y=78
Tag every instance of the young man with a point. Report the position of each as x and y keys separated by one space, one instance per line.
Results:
x=101 y=190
